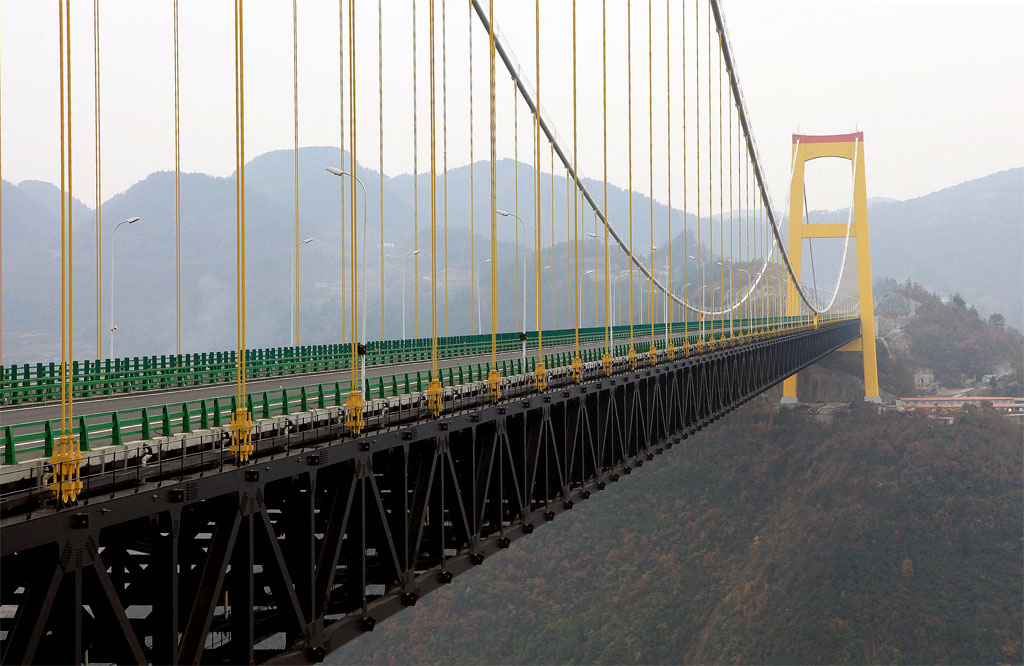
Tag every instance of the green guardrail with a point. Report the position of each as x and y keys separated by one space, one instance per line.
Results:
x=40 y=382
x=115 y=428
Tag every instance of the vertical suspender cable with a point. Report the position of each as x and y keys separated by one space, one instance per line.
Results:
x=493 y=378
x=732 y=310
x=472 y=184
x=295 y=156
x=1 y=234
x=356 y=385
x=515 y=190
x=177 y=193
x=341 y=107
x=444 y=149
x=668 y=125
x=696 y=86
x=99 y=189
x=711 y=191
x=686 y=213
x=568 y=246
x=539 y=369
x=650 y=167
x=552 y=151
x=607 y=359
x=415 y=189
x=433 y=206
x=629 y=132
x=721 y=188
x=577 y=361
x=380 y=154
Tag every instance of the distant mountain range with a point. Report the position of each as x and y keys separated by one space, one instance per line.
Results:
x=976 y=225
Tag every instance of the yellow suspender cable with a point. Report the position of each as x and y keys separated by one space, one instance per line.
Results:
x=577 y=362
x=444 y=151
x=99 y=189
x=552 y=151
x=569 y=199
x=241 y=423
x=540 y=371
x=1 y=239
x=711 y=190
x=700 y=247
x=493 y=378
x=341 y=107
x=732 y=311
x=668 y=124
x=295 y=155
x=354 y=406
x=686 y=213
x=472 y=190
x=434 y=390
x=380 y=153
x=629 y=132
x=650 y=166
x=597 y=301
x=415 y=189
x=515 y=190
x=606 y=359
x=721 y=188
x=177 y=193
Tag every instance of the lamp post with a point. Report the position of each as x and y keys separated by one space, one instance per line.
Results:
x=479 y=325
x=505 y=213
x=404 y=264
x=113 y=326
x=295 y=287
x=362 y=335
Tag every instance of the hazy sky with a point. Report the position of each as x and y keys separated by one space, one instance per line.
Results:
x=937 y=87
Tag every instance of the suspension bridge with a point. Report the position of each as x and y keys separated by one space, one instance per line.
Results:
x=271 y=504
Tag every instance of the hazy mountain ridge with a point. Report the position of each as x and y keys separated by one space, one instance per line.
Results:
x=918 y=239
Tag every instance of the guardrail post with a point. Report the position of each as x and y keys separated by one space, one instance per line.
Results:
x=204 y=416
x=83 y=434
x=216 y=413
x=303 y=400
x=266 y=405
x=320 y=402
x=115 y=429
x=186 y=418
x=285 y=407
x=147 y=432
x=166 y=421
x=48 y=438
x=10 y=457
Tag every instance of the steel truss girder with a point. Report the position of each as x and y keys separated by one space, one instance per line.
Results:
x=287 y=559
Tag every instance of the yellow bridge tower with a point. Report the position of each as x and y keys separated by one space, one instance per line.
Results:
x=851 y=147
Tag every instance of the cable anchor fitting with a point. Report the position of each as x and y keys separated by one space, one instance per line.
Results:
x=241 y=434
x=577 y=369
x=435 y=398
x=354 y=419
x=494 y=385
x=66 y=465
x=540 y=377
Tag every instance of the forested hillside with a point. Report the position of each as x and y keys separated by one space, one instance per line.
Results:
x=767 y=538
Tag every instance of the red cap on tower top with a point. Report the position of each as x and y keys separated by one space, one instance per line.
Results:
x=829 y=138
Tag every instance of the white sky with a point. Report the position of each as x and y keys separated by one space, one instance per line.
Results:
x=937 y=87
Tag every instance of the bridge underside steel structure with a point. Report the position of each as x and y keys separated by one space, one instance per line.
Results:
x=209 y=561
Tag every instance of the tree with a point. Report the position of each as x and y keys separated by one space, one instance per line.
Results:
x=958 y=300
x=997 y=320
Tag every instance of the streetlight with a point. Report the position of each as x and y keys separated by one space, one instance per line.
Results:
x=404 y=260
x=505 y=213
x=295 y=288
x=338 y=172
x=113 y=326
x=479 y=325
